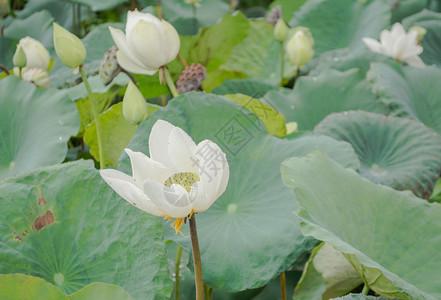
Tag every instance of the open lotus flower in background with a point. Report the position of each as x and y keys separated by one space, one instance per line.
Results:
x=37 y=56
x=398 y=44
x=179 y=179
x=149 y=43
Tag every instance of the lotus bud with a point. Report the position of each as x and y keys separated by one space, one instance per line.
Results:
x=421 y=32
x=36 y=76
x=37 y=55
x=69 y=47
x=19 y=58
x=281 y=30
x=134 y=106
x=300 y=49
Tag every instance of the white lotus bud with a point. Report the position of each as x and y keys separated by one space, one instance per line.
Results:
x=149 y=43
x=134 y=106
x=281 y=30
x=69 y=47
x=37 y=55
x=300 y=49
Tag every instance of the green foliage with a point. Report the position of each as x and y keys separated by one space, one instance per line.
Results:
x=67 y=226
x=248 y=233
x=35 y=126
x=365 y=220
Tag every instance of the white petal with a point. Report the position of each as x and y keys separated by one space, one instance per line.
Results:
x=373 y=45
x=399 y=47
x=158 y=143
x=147 y=42
x=172 y=201
x=130 y=66
x=172 y=40
x=213 y=166
x=415 y=61
x=123 y=185
x=133 y=17
x=180 y=149
x=397 y=30
x=387 y=41
x=143 y=167
x=202 y=196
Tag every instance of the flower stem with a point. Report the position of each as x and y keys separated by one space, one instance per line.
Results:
x=170 y=83
x=177 y=269
x=96 y=117
x=196 y=259
x=283 y=285
x=195 y=22
x=159 y=10
x=208 y=292
x=282 y=63
x=365 y=290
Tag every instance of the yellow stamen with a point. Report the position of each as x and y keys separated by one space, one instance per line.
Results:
x=192 y=212
x=178 y=224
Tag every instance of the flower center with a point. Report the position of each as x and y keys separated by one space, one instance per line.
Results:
x=184 y=179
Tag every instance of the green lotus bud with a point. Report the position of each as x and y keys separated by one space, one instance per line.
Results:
x=300 y=49
x=420 y=30
x=134 y=106
x=19 y=58
x=281 y=30
x=69 y=47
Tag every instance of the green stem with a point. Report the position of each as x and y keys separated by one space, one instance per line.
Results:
x=195 y=22
x=177 y=269
x=20 y=72
x=74 y=19
x=170 y=83
x=196 y=259
x=282 y=63
x=208 y=292
x=96 y=117
x=365 y=290
x=283 y=285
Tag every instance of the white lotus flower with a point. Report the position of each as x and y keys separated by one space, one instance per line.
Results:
x=149 y=43
x=398 y=44
x=37 y=55
x=179 y=179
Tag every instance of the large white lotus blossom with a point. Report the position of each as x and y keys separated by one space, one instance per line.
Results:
x=398 y=44
x=149 y=43
x=37 y=55
x=178 y=179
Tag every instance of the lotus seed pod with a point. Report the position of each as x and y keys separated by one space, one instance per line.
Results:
x=191 y=78
x=134 y=106
x=281 y=30
x=69 y=47
x=19 y=58
x=109 y=66
x=274 y=15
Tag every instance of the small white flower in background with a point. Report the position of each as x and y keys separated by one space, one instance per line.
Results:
x=398 y=44
x=300 y=48
x=194 y=2
x=149 y=43
x=178 y=179
x=37 y=55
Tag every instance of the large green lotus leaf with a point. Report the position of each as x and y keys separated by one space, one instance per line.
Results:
x=248 y=233
x=180 y=14
x=102 y=100
x=315 y=97
x=35 y=126
x=213 y=45
x=248 y=86
x=393 y=232
x=273 y=121
x=398 y=152
x=327 y=274
x=116 y=132
x=98 y=5
x=24 y=287
x=258 y=55
x=431 y=42
x=342 y=24
x=67 y=226
x=413 y=92
x=217 y=77
x=406 y=8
